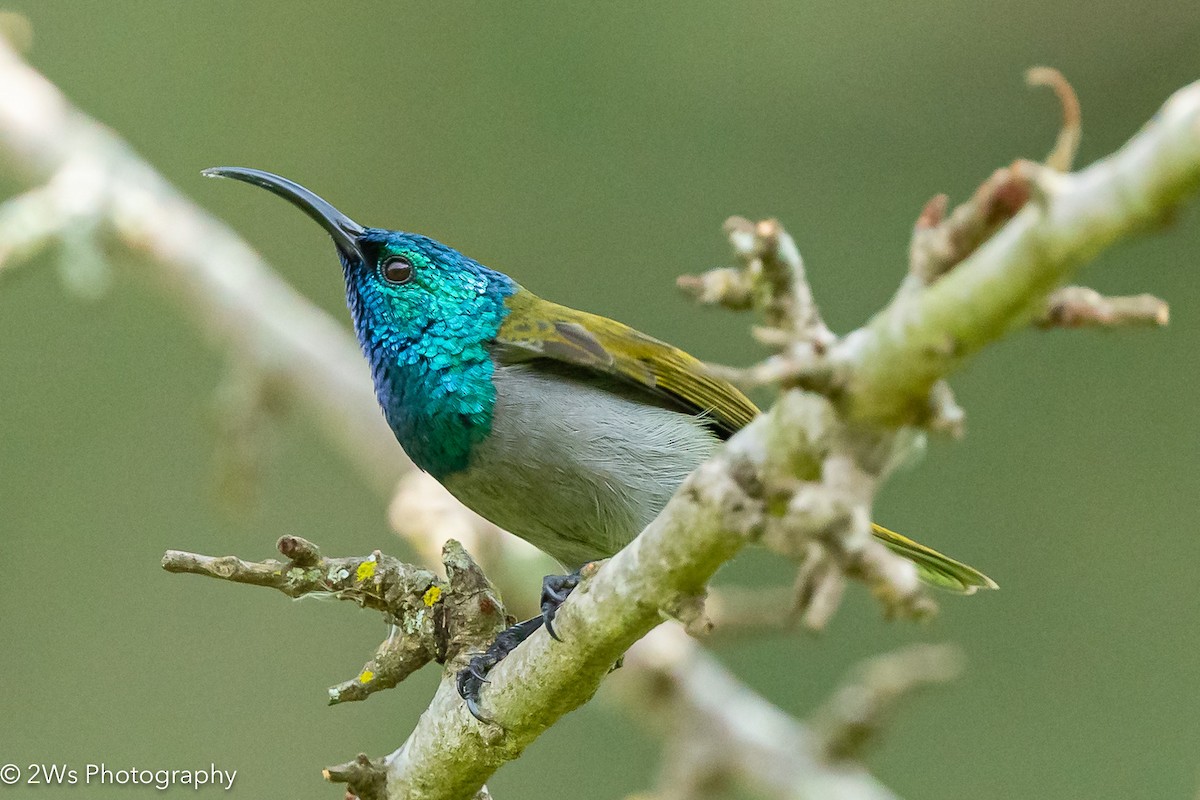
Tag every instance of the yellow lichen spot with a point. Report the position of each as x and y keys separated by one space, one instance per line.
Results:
x=366 y=570
x=432 y=595
x=366 y=677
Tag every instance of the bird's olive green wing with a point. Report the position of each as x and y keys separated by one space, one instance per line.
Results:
x=538 y=329
x=935 y=568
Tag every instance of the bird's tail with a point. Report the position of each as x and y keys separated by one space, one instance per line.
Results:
x=933 y=567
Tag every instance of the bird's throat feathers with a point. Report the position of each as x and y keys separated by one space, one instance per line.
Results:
x=428 y=342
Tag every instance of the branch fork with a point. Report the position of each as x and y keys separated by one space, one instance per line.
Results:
x=429 y=619
x=800 y=479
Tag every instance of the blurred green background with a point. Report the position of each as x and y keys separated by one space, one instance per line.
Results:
x=592 y=151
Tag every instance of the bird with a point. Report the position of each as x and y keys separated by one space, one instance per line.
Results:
x=568 y=429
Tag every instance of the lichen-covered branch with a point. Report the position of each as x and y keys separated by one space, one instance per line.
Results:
x=717 y=512
x=427 y=516
x=800 y=479
x=773 y=282
x=283 y=346
x=893 y=362
x=430 y=619
x=725 y=502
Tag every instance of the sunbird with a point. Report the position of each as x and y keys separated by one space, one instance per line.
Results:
x=568 y=429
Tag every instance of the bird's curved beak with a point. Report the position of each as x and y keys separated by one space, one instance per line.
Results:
x=345 y=231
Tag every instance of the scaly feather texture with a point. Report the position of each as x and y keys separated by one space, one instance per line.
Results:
x=428 y=343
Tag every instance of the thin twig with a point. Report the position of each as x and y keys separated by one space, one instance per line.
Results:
x=771 y=280
x=861 y=707
x=939 y=243
x=885 y=372
x=1081 y=307
x=430 y=619
x=721 y=735
x=894 y=361
x=1066 y=146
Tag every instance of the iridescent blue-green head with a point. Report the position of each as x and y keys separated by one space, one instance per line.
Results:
x=425 y=315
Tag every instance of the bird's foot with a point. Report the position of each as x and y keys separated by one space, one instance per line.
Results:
x=555 y=590
x=470 y=681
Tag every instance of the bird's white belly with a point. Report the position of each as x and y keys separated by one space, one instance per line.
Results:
x=577 y=469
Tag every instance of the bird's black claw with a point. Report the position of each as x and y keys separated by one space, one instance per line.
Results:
x=473 y=706
x=470 y=680
x=548 y=612
x=555 y=590
x=477 y=672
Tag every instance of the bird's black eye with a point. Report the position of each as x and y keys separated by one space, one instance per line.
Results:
x=397 y=270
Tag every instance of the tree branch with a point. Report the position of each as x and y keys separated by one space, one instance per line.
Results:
x=801 y=478
x=233 y=296
x=725 y=503
x=90 y=175
x=430 y=619
x=720 y=734
x=859 y=708
x=1081 y=307
x=1066 y=146
x=895 y=360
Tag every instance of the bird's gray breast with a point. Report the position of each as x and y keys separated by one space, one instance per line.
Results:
x=575 y=467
